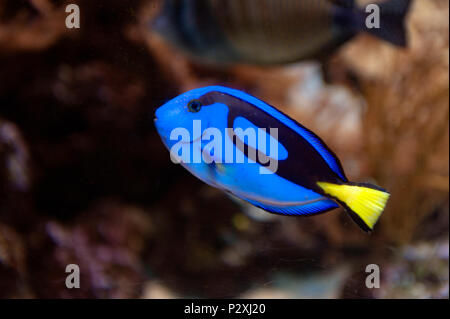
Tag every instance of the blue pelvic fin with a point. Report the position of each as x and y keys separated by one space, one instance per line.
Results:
x=313 y=208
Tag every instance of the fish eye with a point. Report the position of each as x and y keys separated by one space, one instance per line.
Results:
x=194 y=106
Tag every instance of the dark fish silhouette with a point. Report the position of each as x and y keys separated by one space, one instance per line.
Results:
x=272 y=31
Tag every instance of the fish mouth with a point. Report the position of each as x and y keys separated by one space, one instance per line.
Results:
x=155 y=121
x=159 y=128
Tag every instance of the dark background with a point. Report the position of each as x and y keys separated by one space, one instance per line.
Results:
x=85 y=179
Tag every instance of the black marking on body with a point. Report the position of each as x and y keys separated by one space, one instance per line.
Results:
x=304 y=165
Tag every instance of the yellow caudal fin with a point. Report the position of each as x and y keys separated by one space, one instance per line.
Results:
x=364 y=202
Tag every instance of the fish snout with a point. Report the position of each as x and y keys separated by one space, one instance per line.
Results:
x=162 y=129
x=158 y=121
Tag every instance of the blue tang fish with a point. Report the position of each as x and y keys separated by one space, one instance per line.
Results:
x=284 y=168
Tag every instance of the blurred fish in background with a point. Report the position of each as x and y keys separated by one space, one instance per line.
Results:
x=272 y=31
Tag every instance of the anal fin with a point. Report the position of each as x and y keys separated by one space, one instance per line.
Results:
x=312 y=207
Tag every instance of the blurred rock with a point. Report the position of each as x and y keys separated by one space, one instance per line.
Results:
x=157 y=290
x=406 y=122
x=106 y=243
x=14 y=158
x=13 y=271
x=31 y=26
x=421 y=271
x=326 y=285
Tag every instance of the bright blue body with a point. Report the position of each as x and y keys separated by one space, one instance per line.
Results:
x=303 y=159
